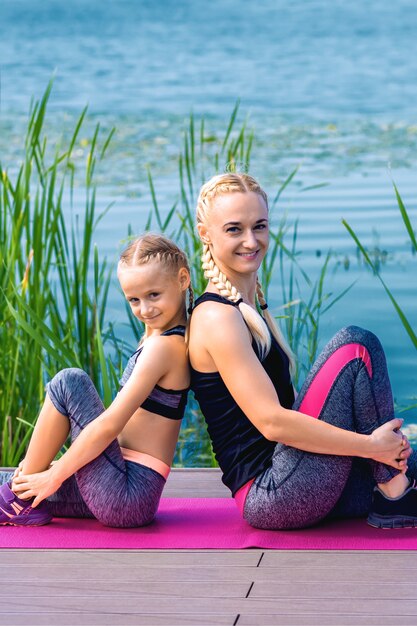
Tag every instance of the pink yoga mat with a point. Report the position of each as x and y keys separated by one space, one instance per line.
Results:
x=197 y=523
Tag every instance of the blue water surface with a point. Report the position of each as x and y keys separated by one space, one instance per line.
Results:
x=327 y=86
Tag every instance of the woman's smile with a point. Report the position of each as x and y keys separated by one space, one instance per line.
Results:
x=248 y=255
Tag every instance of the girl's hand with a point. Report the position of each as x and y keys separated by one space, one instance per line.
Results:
x=18 y=470
x=390 y=446
x=39 y=486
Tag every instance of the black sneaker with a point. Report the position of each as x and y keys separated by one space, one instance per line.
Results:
x=398 y=512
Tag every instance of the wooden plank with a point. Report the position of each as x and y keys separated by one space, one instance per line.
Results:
x=114 y=588
x=208 y=605
x=129 y=558
x=329 y=575
x=329 y=606
x=393 y=590
x=340 y=558
x=116 y=619
x=318 y=619
x=26 y=574
x=196 y=619
x=193 y=482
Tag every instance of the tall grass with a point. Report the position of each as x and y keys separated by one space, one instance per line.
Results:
x=412 y=334
x=374 y=266
x=52 y=305
x=54 y=284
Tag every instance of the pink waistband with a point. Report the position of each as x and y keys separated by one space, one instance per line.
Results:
x=240 y=495
x=147 y=460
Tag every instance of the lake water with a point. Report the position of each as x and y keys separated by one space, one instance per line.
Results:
x=329 y=86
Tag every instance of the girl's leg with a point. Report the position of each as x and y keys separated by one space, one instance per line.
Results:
x=66 y=502
x=49 y=435
x=348 y=387
x=117 y=492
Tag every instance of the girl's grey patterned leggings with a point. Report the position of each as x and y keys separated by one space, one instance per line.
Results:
x=348 y=387
x=116 y=492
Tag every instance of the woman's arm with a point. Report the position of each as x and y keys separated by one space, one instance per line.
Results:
x=155 y=361
x=225 y=337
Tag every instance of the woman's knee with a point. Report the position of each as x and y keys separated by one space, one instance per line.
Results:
x=356 y=334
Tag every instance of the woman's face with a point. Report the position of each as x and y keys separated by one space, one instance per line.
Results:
x=238 y=232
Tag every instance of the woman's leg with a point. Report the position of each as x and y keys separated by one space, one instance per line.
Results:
x=348 y=387
x=117 y=492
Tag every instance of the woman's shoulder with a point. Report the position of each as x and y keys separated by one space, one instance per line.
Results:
x=212 y=308
x=213 y=324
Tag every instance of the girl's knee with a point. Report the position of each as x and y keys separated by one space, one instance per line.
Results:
x=70 y=375
x=69 y=380
x=65 y=384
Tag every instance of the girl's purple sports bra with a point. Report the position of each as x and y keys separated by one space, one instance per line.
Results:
x=169 y=403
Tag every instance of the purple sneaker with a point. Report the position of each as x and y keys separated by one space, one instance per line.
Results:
x=17 y=512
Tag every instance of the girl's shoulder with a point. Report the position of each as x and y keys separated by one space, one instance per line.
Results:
x=167 y=345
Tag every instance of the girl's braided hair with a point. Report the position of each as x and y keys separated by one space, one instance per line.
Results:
x=258 y=325
x=154 y=247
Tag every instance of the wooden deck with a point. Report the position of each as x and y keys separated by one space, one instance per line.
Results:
x=176 y=588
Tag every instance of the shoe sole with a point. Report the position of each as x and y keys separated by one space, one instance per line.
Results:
x=24 y=525
x=396 y=521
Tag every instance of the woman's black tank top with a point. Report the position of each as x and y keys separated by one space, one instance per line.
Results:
x=240 y=449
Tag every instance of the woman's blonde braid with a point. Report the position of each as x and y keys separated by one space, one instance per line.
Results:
x=220 y=280
x=260 y=295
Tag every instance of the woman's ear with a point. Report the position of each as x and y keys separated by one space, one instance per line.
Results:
x=202 y=231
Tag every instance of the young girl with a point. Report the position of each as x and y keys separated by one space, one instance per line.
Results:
x=121 y=456
x=241 y=377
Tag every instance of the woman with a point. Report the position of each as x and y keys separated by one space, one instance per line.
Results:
x=286 y=468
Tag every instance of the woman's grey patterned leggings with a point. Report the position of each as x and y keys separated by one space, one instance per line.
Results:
x=348 y=387
x=116 y=492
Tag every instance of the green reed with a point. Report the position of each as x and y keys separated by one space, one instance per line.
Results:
x=374 y=266
x=52 y=313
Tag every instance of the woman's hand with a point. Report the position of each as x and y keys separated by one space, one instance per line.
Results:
x=39 y=486
x=390 y=446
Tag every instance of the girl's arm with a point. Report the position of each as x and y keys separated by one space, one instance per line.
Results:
x=155 y=361
x=226 y=340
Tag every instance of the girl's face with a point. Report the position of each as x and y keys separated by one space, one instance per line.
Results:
x=237 y=230
x=156 y=296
